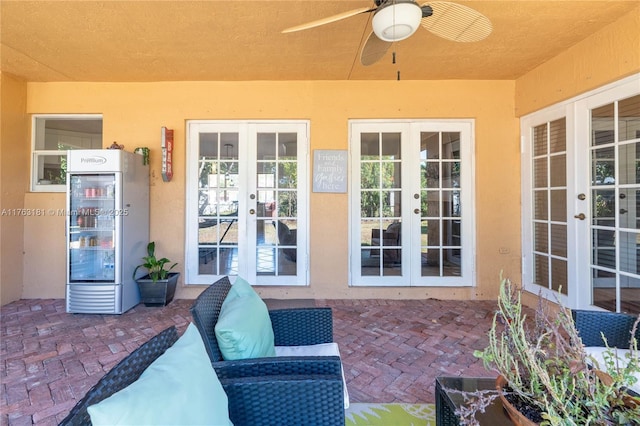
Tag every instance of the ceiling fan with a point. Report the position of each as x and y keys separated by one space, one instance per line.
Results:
x=395 y=20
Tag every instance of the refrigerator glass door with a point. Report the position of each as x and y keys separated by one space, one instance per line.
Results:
x=92 y=228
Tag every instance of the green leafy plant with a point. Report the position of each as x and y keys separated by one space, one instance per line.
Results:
x=548 y=371
x=155 y=267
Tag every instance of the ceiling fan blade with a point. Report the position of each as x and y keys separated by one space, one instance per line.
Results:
x=373 y=50
x=456 y=22
x=328 y=19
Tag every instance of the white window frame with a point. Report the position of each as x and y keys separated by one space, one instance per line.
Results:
x=36 y=154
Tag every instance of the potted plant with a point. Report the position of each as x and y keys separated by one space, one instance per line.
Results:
x=158 y=286
x=544 y=373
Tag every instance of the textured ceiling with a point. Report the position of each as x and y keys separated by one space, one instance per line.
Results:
x=242 y=40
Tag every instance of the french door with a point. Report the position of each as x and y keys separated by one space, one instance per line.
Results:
x=246 y=202
x=411 y=203
x=581 y=193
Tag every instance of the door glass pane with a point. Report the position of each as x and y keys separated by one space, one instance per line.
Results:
x=391 y=146
x=602 y=124
x=430 y=174
x=559 y=240
x=629 y=258
x=603 y=243
x=630 y=293
x=370 y=146
x=604 y=294
x=451 y=145
x=559 y=280
x=451 y=262
x=603 y=207
x=541 y=237
x=391 y=175
x=429 y=146
x=628 y=211
x=451 y=174
x=559 y=167
x=629 y=163
x=629 y=118
x=558 y=136
x=558 y=205
x=540 y=172
x=540 y=205
x=603 y=171
x=540 y=145
x=541 y=270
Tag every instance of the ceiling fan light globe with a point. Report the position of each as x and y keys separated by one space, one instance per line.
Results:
x=396 y=21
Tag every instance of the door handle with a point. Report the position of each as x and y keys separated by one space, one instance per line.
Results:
x=623 y=211
x=252 y=211
x=416 y=211
x=580 y=216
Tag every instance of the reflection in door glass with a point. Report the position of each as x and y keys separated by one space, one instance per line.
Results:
x=277 y=212
x=218 y=192
x=440 y=204
x=380 y=204
x=549 y=198
x=615 y=207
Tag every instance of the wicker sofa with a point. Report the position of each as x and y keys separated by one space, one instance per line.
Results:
x=122 y=375
x=292 y=397
x=300 y=389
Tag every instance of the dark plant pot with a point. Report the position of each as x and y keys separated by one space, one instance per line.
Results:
x=159 y=293
x=516 y=416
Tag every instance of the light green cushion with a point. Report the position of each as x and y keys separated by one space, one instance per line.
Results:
x=178 y=388
x=244 y=328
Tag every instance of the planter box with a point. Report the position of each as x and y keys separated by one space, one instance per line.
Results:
x=159 y=293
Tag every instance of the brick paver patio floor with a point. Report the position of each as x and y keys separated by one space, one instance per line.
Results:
x=392 y=351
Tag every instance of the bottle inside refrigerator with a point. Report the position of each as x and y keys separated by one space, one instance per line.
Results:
x=107 y=229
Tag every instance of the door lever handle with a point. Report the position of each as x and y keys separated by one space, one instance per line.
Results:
x=580 y=216
x=623 y=211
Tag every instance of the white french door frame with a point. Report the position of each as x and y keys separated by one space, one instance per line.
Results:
x=573 y=187
x=410 y=131
x=578 y=128
x=247 y=202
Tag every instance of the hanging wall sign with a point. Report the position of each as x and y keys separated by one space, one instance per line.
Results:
x=167 y=154
x=329 y=170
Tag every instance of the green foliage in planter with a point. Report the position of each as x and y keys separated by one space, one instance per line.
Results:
x=545 y=363
x=155 y=267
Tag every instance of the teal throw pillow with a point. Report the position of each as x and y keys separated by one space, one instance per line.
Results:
x=244 y=328
x=178 y=388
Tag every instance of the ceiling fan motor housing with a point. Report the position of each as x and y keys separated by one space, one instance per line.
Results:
x=396 y=20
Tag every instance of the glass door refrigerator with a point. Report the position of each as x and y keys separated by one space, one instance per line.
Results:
x=107 y=229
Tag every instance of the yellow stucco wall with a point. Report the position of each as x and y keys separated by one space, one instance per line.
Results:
x=14 y=151
x=606 y=56
x=134 y=113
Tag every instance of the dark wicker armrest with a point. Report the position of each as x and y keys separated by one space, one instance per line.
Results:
x=615 y=326
x=122 y=375
x=304 y=326
x=280 y=366
x=285 y=400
